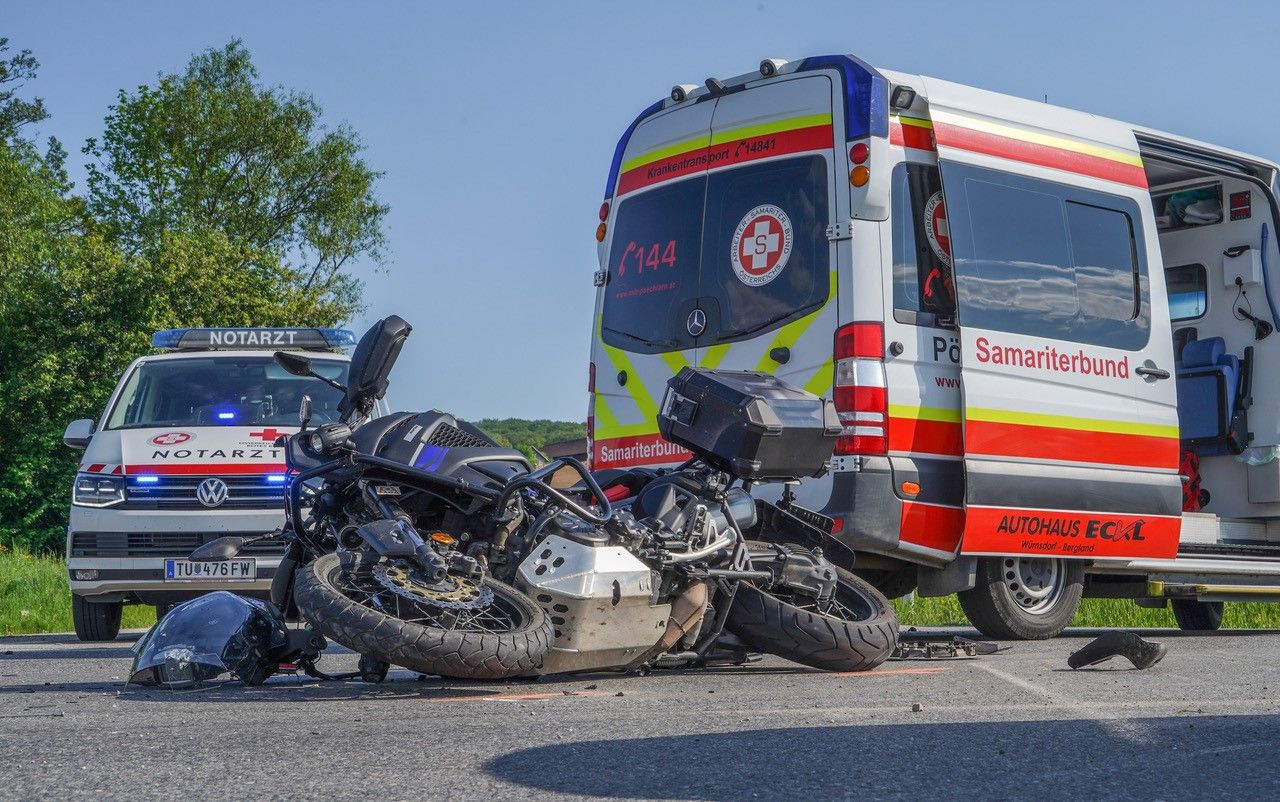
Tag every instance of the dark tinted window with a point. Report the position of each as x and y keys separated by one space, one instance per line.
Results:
x=765 y=258
x=1188 y=291
x=653 y=267
x=921 y=245
x=1046 y=259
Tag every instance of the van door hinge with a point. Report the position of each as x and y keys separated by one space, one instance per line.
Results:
x=599 y=278
x=839 y=231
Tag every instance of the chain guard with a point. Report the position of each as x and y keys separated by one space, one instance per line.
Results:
x=404 y=580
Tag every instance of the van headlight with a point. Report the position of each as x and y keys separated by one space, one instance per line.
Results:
x=96 y=490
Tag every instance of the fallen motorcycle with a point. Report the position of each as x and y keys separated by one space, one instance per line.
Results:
x=416 y=540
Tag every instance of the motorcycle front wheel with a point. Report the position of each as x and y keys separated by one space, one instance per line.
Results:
x=857 y=630
x=485 y=630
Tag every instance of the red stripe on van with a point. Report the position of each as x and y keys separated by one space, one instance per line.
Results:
x=1070 y=445
x=926 y=436
x=738 y=151
x=209 y=468
x=1057 y=533
x=1035 y=153
x=911 y=136
x=931 y=526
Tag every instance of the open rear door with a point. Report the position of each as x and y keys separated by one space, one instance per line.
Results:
x=1070 y=412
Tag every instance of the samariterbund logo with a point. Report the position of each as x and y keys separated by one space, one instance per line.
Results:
x=1047 y=357
x=1108 y=529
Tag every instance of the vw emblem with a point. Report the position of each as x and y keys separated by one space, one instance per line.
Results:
x=697 y=322
x=211 y=492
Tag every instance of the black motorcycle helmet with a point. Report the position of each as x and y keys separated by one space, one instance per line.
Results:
x=207 y=636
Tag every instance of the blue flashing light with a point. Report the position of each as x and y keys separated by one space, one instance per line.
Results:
x=866 y=94
x=226 y=416
x=338 y=338
x=616 y=165
x=311 y=339
x=169 y=338
x=146 y=480
x=275 y=478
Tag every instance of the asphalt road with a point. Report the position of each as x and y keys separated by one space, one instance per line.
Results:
x=1204 y=723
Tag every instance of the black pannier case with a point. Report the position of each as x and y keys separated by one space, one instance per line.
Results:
x=752 y=425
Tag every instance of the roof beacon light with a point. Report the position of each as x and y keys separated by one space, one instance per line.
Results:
x=252 y=339
x=770 y=66
x=680 y=92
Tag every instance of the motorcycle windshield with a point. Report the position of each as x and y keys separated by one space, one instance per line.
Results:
x=198 y=640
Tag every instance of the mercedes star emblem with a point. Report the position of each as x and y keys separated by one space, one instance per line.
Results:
x=697 y=322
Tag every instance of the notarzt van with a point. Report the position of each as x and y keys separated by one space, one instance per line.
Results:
x=186 y=453
x=1050 y=335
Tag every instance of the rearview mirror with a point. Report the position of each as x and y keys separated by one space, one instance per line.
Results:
x=220 y=550
x=78 y=433
x=296 y=364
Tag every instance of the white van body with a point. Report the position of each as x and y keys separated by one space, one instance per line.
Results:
x=1034 y=321
x=185 y=453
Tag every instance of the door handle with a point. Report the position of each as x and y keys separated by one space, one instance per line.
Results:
x=1151 y=373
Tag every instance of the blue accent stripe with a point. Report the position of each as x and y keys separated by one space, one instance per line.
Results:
x=616 y=165
x=866 y=94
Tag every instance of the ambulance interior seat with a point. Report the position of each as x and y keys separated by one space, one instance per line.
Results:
x=1214 y=394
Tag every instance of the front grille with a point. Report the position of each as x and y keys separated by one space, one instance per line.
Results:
x=179 y=493
x=156 y=544
x=453 y=437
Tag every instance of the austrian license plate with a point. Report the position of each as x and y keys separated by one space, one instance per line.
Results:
x=241 y=570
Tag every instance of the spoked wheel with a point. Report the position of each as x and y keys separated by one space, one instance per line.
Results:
x=856 y=631
x=1023 y=598
x=466 y=629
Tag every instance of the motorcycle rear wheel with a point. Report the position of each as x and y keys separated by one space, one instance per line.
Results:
x=509 y=638
x=858 y=634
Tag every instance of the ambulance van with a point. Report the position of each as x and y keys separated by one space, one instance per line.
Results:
x=185 y=453
x=1050 y=335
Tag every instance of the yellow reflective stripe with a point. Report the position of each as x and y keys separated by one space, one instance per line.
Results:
x=939 y=414
x=713 y=355
x=1069 y=422
x=823 y=379
x=607 y=425
x=1030 y=135
x=776 y=127
x=791 y=333
x=675 y=360
x=745 y=132
x=916 y=122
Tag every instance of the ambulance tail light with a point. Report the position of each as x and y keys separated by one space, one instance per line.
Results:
x=860 y=396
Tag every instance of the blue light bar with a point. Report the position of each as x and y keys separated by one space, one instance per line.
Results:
x=146 y=480
x=309 y=339
x=866 y=94
x=226 y=416
x=275 y=478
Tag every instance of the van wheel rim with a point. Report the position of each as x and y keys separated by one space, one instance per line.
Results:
x=1035 y=583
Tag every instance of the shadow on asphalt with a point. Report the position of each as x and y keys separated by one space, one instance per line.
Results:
x=1144 y=758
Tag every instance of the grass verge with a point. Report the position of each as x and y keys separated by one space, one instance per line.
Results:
x=35 y=597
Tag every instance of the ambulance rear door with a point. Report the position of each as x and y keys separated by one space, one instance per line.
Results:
x=1070 y=420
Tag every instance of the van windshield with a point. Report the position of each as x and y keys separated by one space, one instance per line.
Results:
x=747 y=246
x=224 y=391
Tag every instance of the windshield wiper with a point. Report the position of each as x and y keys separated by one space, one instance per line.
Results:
x=660 y=344
x=731 y=333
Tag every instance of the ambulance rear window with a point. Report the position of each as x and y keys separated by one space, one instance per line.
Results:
x=223 y=391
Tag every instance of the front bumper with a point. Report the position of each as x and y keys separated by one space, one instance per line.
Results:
x=142 y=578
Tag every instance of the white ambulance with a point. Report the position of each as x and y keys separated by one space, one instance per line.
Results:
x=1050 y=335
x=186 y=452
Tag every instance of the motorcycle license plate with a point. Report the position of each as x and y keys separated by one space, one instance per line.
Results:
x=239 y=570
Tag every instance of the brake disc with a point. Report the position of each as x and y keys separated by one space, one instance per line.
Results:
x=405 y=580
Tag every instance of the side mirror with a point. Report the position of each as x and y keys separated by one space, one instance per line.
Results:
x=296 y=364
x=304 y=412
x=220 y=550
x=78 y=433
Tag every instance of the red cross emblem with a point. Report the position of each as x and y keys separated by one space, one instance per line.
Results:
x=170 y=439
x=267 y=435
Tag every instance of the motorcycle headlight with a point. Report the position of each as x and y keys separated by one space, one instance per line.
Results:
x=315 y=443
x=95 y=490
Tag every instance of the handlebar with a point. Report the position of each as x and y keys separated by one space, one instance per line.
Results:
x=535 y=479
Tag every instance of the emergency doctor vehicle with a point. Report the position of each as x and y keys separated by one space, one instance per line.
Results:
x=1051 y=336
x=186 y=453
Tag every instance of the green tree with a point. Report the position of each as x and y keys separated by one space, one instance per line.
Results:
x=214 y=202
x=213 y=150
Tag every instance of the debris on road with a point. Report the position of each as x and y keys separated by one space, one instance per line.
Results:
x=913 y=645
x=1142 y=653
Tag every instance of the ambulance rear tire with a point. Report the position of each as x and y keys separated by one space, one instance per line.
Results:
x=1023 y=598
x=96 y=621
x=1197 y=616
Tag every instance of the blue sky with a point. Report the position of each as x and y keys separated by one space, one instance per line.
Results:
x=495 y=123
